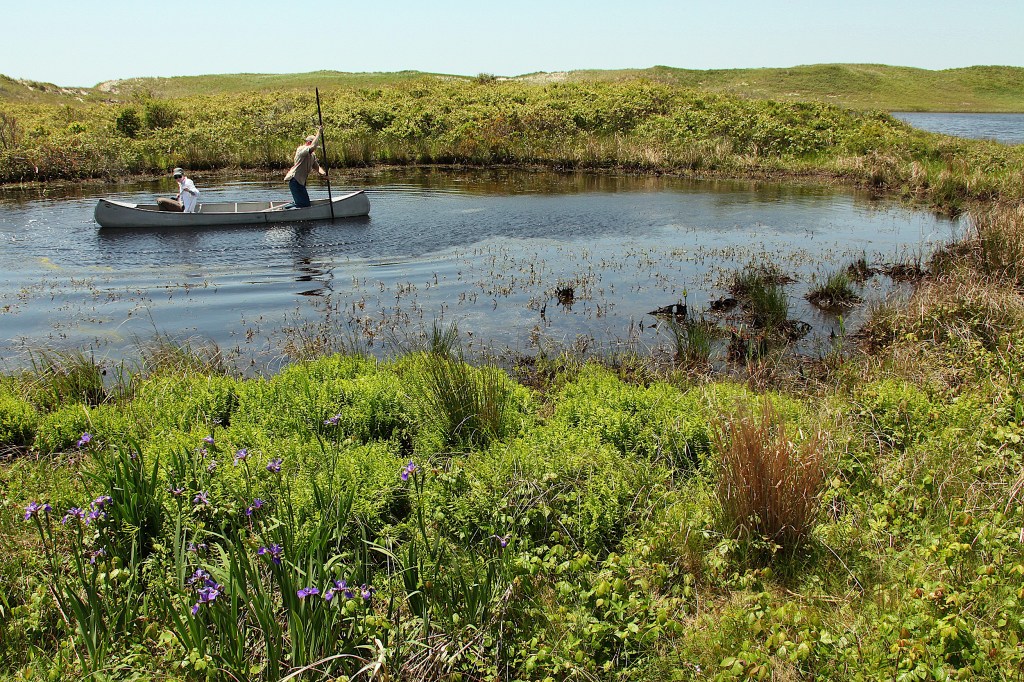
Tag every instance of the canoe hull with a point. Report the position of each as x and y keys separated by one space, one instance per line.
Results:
x=111 y=213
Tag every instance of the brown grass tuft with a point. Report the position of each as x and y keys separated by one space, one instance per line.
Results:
x=769 y=486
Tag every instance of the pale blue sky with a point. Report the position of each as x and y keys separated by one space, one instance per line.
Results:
x=82 y=43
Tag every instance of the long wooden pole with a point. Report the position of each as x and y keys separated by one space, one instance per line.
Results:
x=323 y=146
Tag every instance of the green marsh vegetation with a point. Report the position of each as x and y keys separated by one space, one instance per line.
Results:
x=629 y=125
x=426 y=517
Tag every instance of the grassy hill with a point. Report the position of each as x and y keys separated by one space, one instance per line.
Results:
x=185 y=86
x=857 y=86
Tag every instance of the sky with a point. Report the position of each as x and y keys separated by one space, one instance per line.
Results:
x=83 y=43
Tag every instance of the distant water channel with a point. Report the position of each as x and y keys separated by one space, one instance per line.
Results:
x=484 y=249
x=1005 y=128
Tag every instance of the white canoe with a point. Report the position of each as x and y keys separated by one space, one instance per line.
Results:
x=122 y=214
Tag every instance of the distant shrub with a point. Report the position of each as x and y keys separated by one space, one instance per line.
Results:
x=159 y=114
x=128 y=122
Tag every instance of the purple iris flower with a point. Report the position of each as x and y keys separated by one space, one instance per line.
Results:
x=97 y=554
x=256 y=505
x=307 y=592
x=200 y=576
x=339 y=587
x=197 y=547
x=32 y=509
x=84 y=440
x=208 y=440
x=274 y=552
x=101 y=502
x=74 y=513
x=333 y=421
x=241 y=456
x=502 y=540
x=409 y=469
x=366 y=592
x=177 y=492
x=207 y=595
x=274 y=465
x=211 y=467
x=201 y=498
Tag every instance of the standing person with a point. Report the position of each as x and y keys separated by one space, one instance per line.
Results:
x=305 y=161
x=188 y=195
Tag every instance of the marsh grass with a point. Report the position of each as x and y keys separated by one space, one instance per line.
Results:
x=58 y=377
x=769 y=486
x=465 y=407
x=759 y=287
x=440 y=340
x=860 y=270
x=835 y=293
x=693 y=340
x=768 y=306
x=162 y=354
x=995 y=244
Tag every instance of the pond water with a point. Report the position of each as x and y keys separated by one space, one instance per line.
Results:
x=1005 y=128
x=484 y=249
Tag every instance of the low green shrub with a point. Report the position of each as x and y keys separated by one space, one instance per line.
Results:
x=897 y=412
x=18 y=420
x=657 y=422
x=61 y=429
x=167 y=402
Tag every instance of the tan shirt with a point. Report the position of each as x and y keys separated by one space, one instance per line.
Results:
x=305 y=161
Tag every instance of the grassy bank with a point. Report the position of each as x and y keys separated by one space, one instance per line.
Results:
x=425 y=518
x=629 y=126
x=855 y=86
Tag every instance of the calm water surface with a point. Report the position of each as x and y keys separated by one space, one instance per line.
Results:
x=484 y=249
x=1005 y=128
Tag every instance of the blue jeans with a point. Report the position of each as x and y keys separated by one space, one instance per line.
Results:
x=300 y=197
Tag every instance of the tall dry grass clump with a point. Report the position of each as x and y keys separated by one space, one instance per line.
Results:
x=996 y=242
x=769 y=486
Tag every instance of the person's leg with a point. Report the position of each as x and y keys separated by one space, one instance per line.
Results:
x=300 y=197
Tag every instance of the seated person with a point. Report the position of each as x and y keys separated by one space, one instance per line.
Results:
x=187 y=200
